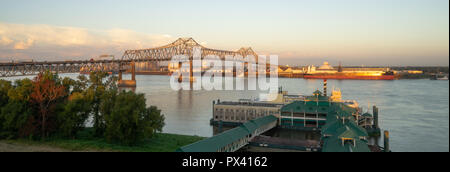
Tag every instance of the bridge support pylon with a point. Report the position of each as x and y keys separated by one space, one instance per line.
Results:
x=127 y=83
x=191 y=71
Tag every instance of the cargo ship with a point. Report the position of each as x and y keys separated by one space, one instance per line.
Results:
x=328 y=72
x=355 y=76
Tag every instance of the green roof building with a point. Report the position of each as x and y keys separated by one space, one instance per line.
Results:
x=335 y=144
x=337 y=121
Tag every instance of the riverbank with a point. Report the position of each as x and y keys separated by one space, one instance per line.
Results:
x=161 y=142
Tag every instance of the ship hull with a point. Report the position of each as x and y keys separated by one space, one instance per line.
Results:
x=350 y=77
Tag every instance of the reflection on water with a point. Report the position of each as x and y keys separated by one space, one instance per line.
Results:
x=414 y=111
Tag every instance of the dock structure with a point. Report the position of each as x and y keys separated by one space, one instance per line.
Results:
x=338 y=122
x=234 y=139
x=236 y=113
x=305 y=113
x=342 y=125
x=308 y=114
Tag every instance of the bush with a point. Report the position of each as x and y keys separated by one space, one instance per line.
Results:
x=130 y=122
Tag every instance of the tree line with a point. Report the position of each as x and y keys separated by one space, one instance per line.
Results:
x=50 y=106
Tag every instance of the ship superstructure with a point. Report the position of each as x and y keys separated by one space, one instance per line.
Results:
x=326 y=71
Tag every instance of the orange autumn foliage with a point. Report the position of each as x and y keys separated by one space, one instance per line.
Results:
x=45 y=94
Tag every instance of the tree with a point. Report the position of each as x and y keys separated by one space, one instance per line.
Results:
x=5 y=86
x=22 y=90
x=46 y=91
x=81 y=84
x=74 y=115
x=69 y=85
x=50 y=105
x=99 y=84
x=17 y=112
x=154 y=118
x=14 y=116
x=130 y=121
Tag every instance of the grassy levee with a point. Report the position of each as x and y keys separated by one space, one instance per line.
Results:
x=160 y=142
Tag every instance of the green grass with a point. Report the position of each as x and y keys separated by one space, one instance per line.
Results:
x=160 y=142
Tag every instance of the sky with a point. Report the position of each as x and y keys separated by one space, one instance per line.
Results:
x=300 y=32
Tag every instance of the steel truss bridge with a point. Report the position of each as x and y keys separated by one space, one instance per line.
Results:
x=33 y=68
x=182 y=46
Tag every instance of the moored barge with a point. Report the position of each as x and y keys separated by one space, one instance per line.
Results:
x=326 y=71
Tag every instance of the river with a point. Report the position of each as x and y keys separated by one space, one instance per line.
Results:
x=416 y=112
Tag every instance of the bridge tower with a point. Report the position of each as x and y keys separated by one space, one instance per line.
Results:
x=127 y=83
x=191 y=72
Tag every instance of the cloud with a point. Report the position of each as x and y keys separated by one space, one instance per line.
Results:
x=21 y=45
x=23 y=36
x=66 y=42
x=122 y=38
x=5 y=40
